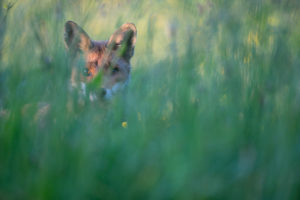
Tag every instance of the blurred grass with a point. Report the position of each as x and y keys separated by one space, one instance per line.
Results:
x=212 y=109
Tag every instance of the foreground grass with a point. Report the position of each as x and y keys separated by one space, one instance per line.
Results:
x=211 y=112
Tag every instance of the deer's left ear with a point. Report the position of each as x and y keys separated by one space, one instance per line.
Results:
x=123 y=40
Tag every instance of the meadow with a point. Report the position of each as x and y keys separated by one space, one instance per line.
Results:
x=212 y=110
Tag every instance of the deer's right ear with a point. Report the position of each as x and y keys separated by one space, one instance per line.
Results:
x=76 y=38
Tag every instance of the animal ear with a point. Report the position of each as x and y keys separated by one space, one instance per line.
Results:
x=76 y=38
x=123 y=40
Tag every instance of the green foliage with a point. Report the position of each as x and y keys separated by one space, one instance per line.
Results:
x=211 y=112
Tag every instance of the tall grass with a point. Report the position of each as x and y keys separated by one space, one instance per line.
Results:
x=211 y=112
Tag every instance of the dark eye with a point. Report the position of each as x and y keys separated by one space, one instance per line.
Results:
x=86 y=72
x=116 y=46
x=115 y=70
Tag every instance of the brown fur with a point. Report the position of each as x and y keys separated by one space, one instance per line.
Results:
x=110 y=57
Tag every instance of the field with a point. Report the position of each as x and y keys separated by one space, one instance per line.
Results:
x=212 y=110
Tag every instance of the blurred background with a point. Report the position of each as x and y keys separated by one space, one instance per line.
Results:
x=212 y=109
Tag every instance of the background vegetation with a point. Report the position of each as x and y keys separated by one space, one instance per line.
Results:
x=212 y=109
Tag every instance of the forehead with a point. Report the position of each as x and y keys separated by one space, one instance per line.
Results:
x=100 y=56
x=93 y=55
x=97 y=51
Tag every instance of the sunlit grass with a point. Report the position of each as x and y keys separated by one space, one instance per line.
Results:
x=211 y=110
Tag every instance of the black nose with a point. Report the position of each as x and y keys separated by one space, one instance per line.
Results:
x=103 y=92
